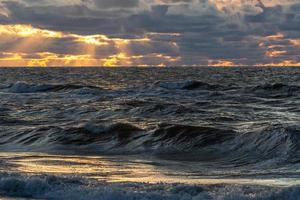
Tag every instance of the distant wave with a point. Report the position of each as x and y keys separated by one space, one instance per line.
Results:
x=24 y=87
x=263 y=90
x=188 y=85
x=203 y=142
x=267 y=90
x=276 y=90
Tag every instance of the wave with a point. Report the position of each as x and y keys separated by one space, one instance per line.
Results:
x=275 y=90
x=166 y=137
x=24 y=87
x=274 y=142
x=60 y=187
x=188 y=85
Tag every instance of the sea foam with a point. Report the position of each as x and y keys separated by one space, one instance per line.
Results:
x=76 y=188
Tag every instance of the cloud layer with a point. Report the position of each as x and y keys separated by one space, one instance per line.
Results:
x=149 y=32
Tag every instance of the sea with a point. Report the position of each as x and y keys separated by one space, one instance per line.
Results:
x=174 y=133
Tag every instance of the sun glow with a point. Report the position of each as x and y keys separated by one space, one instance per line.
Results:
x=27 y=31
x=32 y=38
x=221 y=63
x=41 y=47
x=285 y=63
x=97 y=40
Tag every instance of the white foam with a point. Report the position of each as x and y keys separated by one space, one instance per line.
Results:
x=51 y=187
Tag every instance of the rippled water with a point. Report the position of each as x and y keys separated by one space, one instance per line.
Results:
x=188 y=125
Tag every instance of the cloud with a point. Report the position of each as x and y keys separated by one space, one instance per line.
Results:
x=104 y=4
x=155 y=32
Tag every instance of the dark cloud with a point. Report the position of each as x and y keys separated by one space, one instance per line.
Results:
x=206 y=29
x=104 y=4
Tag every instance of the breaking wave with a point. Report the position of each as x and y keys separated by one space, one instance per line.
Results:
x=196 y=123
x=276 y=142
x=54 y=187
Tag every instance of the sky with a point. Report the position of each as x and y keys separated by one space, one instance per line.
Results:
x=149 y=32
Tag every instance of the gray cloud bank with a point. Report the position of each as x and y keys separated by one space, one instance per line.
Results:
x=194 y=30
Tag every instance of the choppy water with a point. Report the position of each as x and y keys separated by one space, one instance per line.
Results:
x=189 y=125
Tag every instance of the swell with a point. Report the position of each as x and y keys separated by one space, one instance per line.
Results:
x=24 y=87
x=275 y=90
x=274 y=142
x=264 y=90
x=188 y=85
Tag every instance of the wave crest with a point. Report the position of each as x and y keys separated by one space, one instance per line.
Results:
x=59 y=187
x=24 y=87
x=276 y=142
x=188 y=85
x=276 y=90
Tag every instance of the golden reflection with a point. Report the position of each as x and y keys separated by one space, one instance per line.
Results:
x=121 y=169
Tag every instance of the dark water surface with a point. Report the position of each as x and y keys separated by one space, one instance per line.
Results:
x=189 y=125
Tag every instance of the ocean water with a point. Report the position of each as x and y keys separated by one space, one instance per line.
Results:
x=154 y=133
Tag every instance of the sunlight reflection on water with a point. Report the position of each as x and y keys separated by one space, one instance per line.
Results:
x=135 y=169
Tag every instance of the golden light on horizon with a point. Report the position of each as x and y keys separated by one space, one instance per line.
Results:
x=32 y=49
x=50 y=59
x=285 y=63
x=33 y=38
x=11 y=56
x=221 y=63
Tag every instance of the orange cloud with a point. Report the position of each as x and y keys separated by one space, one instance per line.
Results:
x=33 y=49
x=295 y=42
x=27 y=31
x=285 y=63
x=33 y=38
x=278 y=36
x=275 y=50
x=222 y=63
x=275 y=53
x=47 y=59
